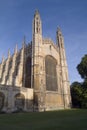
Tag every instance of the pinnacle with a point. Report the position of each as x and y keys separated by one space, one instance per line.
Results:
x=59 y=30
x=36 y=12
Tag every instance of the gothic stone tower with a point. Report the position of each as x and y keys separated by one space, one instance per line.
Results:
x=38 y=72
x=49 y=70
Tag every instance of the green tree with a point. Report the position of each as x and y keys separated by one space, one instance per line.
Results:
x=82 y=67
x=84 y=101
x=79 y=90
x=76 y=94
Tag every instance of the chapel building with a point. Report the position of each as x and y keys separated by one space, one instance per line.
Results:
x=35 y=78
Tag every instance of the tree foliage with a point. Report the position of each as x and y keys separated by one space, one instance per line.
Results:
x=82 y=67
x=76 y=93
x=79 y=90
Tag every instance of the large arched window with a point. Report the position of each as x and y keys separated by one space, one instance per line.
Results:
x=51 y=74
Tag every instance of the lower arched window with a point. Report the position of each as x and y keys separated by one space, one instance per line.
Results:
x=19 y=101
x=51 y=74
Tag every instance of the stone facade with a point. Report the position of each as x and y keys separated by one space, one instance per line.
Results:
x=35 y=78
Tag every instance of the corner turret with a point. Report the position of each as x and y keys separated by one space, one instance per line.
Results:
x=37 y=25
x=60 y=40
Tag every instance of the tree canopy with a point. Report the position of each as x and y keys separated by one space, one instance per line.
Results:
x=79 y=90
x=82 y=67
x=76 y=93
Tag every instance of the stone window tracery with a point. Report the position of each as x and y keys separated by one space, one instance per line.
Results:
x=51 y=74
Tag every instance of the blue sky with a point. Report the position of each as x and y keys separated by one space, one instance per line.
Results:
x=71 y=15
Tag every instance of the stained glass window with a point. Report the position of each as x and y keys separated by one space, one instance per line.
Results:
x=51 y=74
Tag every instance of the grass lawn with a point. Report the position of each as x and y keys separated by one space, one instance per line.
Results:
x=55 y=120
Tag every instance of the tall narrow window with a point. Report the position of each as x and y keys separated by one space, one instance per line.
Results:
x=51 y=74
x=28 y=73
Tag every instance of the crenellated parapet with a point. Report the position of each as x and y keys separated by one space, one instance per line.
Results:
x=49 y=41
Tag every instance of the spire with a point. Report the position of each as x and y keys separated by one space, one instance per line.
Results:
x=59 y=36
x=9 y=53
x=16 y=49
x=3 y=58
x=59 y=31
x=24 y=42
x=36 y=12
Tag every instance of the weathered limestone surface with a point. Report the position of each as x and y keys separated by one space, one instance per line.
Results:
x=10 y=93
